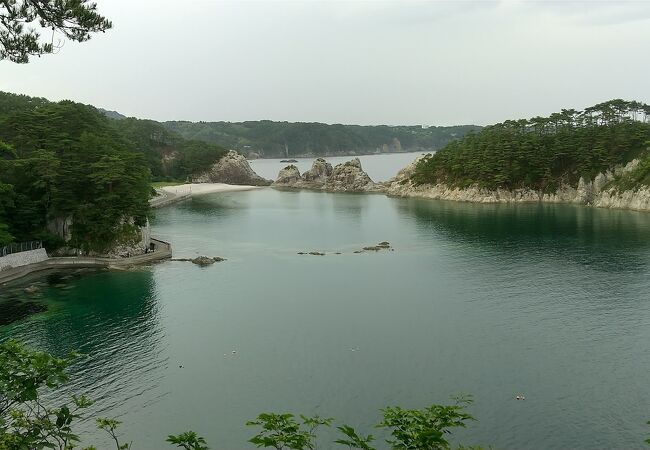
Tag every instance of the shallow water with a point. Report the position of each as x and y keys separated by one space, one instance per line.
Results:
x=550 y=301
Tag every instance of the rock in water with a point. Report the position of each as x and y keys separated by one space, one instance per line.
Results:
x=233 y=168
x=319 y=172
x=289 y=175
x=346 y=177
x=350 y=177
x=206 y=261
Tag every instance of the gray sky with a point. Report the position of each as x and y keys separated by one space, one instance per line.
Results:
x=365 y=62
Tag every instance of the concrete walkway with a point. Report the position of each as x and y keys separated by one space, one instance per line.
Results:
x=166 y=197
x=163 y=250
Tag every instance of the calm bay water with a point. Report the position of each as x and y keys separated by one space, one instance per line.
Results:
x=378 y=167
x=549 y=301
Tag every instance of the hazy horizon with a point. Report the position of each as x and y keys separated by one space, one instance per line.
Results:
x=433 y=63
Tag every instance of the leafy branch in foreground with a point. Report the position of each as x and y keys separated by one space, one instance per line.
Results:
x=73 y=19
x=283 y=431
x=188 y=440
x=411 y=429
x=110 y=426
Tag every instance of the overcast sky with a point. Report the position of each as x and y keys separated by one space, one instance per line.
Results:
x=364 y=62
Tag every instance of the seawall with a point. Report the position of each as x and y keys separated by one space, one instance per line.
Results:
x=162 y=250
x=22 y=259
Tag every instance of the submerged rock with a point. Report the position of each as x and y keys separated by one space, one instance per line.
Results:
x=202 y=260
x=32 y=289
x=14 y=310
x=233 y=168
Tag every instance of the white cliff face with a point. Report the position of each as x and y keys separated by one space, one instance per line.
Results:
x=591 y=192
x=345 y=177
x=233 y=168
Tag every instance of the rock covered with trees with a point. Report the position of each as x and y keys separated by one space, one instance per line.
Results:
x=599 y=156
x=76 y=179
x=63 y=163
x=233 y=168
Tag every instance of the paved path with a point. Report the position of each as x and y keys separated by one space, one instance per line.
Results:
x=163 y=250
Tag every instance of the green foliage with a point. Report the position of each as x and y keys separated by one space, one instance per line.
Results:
x=283 y=139
x=636 y=178
x=543 y=152
x=281 y=431
x=410 y=429
x=65 y=160
x=73 y=19
x=424 y=429
x=25 y=421
x=167 y=154
x=110 y=426
x=353 y=440
x=188 y=440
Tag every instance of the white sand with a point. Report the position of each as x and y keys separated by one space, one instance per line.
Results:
x=204 y=188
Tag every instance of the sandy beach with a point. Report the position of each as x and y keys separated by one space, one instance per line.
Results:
x=173 y=194
x=204 y=188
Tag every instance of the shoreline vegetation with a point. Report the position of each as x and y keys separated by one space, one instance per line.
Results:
x=598 y=157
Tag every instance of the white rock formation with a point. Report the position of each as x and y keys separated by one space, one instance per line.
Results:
x=346 y=177
x=233 y=168
x=592 y=192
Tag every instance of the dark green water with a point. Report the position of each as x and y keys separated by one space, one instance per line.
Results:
x=549 y=301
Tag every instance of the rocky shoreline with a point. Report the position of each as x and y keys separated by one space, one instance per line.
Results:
x=595 y=193
x=350 y=177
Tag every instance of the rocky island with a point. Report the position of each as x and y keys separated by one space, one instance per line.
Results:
x=345 y=177
x=232 y=168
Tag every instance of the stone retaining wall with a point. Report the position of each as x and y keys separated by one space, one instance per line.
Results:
x=22 y=259
x=163 y=250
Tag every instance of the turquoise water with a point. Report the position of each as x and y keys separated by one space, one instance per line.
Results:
x=492 y=300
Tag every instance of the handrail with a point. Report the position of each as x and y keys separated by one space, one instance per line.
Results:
x=19 y=247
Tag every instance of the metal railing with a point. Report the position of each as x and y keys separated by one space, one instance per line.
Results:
x=20 y=247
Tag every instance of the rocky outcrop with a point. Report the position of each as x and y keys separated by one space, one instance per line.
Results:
x=346 y=177
x=233 y=168
x=350 y=177
x=289 y=175
x=319 y=172
x=588 y=192
x=137 y=242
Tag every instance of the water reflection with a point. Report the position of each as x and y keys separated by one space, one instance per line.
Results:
x=609 y=240
x=110 y=318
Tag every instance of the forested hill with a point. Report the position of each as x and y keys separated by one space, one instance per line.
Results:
x=286 y=139
x=68 y=162
x=65 y=161
x=167 y=154
x=543 y=153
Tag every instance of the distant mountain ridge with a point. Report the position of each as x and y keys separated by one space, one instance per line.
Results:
x=269 y=139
